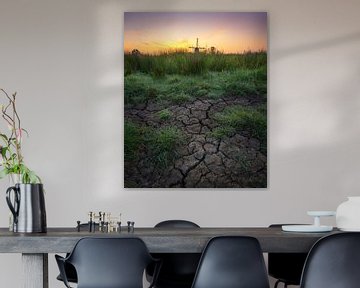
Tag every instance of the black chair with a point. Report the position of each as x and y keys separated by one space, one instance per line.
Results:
x=108 y=263
x=178 y=269
x=176 y=224
x=69 y=269
x=333 y=262
x=232 y=262
x=286 y=267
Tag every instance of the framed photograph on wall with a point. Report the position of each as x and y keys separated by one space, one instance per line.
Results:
x=195 y=98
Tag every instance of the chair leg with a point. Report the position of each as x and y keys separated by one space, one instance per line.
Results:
x=279 y=281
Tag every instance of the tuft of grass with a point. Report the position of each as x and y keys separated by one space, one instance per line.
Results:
x=133 y=139
x=221 y=132
x=164 y=114
x=180 y=97
x=159 y=144
x=246 y=82
x=139 y=88
x=238 y=118
x=162 y=144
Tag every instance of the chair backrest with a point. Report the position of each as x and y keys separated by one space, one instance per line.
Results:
x=232 y=262
x=178 y=269
x=110 y=262
x=176 y=224
x=333 y=262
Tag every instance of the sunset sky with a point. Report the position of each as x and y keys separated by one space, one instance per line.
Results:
x=232 y=32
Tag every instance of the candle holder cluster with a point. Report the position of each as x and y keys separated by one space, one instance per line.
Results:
x=104 y=222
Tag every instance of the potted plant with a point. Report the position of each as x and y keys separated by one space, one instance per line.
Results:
x=11 y=158
x=26 y=198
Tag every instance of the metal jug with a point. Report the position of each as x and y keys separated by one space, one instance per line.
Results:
x=28 y=208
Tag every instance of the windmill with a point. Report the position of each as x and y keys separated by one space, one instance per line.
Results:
x=197 y=48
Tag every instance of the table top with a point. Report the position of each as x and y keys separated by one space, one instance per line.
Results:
x=158 y=240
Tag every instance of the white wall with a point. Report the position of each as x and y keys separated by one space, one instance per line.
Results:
x=64 y=58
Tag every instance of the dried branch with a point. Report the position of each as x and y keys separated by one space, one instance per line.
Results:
x=11 y=156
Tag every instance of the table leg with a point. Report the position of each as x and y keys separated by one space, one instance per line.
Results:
x=35 y=270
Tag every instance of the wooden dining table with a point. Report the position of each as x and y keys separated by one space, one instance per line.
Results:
x=35 y=247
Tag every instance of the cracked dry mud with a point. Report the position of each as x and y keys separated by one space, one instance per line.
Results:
x=203 y=161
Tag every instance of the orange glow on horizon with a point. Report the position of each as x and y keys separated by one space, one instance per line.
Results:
x=154 y=33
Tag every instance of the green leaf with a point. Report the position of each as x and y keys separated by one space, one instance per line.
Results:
x=3 y=151
x=33 y=178
x=27 y=175
x=4 y=173
x=4 y=137
x=26 y=132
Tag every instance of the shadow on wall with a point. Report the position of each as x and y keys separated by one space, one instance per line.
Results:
x=308 y=47
x=314 y=119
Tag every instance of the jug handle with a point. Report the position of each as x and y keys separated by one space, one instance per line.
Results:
x=13 y=208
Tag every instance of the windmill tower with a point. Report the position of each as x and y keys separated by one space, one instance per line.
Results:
x=197 y=48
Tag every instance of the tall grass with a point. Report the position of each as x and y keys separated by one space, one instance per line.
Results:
x=133 y=140
x=191 y=63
